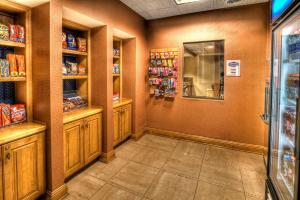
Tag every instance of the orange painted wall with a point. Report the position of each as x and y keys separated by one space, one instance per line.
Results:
x=115 y=14
x=237 y=118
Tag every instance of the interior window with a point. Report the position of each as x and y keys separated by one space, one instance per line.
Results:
x=203 y=72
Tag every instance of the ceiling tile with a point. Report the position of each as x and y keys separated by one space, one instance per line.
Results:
x=154 y=9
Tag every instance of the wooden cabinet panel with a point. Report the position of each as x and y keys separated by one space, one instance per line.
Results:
x=92 y=137
x=24 y=168
x=73 y=147
x=126 y=121
x=117 y=125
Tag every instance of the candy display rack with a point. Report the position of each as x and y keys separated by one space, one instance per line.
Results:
x=76 y=67
x=163 y=72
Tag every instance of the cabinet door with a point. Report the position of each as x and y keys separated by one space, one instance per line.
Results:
x=117 y=126
x=73 y=147
x=92 y=137
x=24 y=168
x=126 y=121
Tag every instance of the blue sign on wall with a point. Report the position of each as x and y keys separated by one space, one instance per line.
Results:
x=279 y=6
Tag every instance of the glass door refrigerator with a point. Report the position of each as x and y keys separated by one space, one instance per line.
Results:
x=283 y=161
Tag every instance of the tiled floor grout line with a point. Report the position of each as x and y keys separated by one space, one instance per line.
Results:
x=159 y=172
x=204 y=153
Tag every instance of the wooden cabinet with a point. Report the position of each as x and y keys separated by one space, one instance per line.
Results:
x=1 y=184
x=82 y=142
x=92 y=138
x=73 y=146
x=24 y=168
x=122 y=123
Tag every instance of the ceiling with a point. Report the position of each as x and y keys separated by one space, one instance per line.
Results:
x=154 y=9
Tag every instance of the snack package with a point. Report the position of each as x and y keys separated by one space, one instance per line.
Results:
x=64 y=69
x=13 y=32
x=21 y=34
x=73 y=67
x=82 y=44
x=5 y=114
x=81 y=70
x=71 y=41
x=152 y=55
x=13 y=68
x=4 y=67
x=21 y=65
x=4 y=33
x=64 y=40
x=157 y=55
x=18 y=113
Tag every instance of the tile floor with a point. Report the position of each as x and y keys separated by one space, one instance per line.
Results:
x=159 y=168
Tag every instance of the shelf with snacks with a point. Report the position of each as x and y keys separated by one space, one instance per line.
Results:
x=9 y=43
x=15 y=67
x=117 y=69
x=75 y=66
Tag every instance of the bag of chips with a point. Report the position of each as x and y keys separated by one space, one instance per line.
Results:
x=4 y=67
x=13 y=68
x=18 y=113
x=81 y=70
x=64 y=40
x=13 y=33
x=21 y=34
x=82 y=44
x=21 y=65
x=4 y=33
x=71 y=41
x=5 y=114
x=73 y=67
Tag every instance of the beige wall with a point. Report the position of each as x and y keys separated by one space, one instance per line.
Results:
x=237 y=118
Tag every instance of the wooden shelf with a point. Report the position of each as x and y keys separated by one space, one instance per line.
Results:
x=122 y=102
x=117 y=57
x=12 y=44
x=75 y=77
x=80 y=113
x=74 y=52
x=12 y=79
x=18 y=131
x=116 y=75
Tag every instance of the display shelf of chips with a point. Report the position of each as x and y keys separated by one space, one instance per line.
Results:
x=163 y=72
x=12 y=35
x=74 y=44
x=71 y=68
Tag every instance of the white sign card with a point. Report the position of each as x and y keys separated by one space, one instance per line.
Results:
x=233 y=68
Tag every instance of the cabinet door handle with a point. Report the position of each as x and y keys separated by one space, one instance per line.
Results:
x=8 y=156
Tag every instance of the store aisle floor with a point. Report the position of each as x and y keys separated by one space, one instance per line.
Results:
x=159 y=168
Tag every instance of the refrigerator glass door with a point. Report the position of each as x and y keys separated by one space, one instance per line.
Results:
x=285 y=92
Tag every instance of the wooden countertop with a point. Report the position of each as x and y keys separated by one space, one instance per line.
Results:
x=80 y=113
x=122 y=103
x=19 y=131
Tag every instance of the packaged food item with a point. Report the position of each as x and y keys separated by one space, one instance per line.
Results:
x=64 y=40
x=18 y=113
x=21 y=34
x=21 y=65
x=71 y=41
x=64 y=69
x=4 y=66
x=157 y=55
x=82 y=44
x=13 y=32
x=13 y=68
x=167 y=55
x=5 y=114
x=4 y=32
x=73 y=67
x=162 y=55
x=152 y=55
x=81 y=70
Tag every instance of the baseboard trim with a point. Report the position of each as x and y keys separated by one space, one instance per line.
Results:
x=137 y=135
x=217 y=142
x=107 y=157
x=58 y=193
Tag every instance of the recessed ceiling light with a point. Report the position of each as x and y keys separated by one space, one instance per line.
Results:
x=185 y=1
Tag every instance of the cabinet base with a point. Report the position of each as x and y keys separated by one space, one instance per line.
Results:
x=57 y=194
x=137 y=135
x=107 y=157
